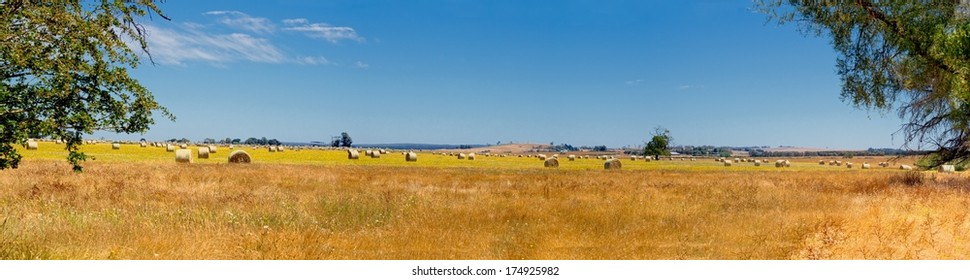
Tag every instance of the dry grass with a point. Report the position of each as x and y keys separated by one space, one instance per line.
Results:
x=162 y=210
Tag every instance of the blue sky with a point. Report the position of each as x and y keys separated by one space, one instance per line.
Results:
x=475 y=72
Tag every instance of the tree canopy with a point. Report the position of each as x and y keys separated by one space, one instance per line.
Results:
x=909 y=56
x=658 y=143
x=64 y=72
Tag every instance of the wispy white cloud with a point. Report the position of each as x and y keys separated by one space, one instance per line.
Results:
x=176 y=47
x=243 y=21
x=687 y=87
x=313 y=60
x=333 y=34
x=238 y=36
x=634 y=82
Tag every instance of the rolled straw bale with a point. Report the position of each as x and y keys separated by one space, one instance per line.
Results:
x=239 y=156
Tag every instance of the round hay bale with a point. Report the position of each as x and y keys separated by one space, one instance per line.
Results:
x=541 y=156
x=213 y=149
x=383 y=151
x=375 y=154
x=279 y=148
x=239 y=156
x=183 y=146
x=848 y=165
x=115 y=146
x=572 y=157
x=821 y=162
x=552 y=162
x=948 y=168
x=272 y=149
x=461 y=156
x=411 y=156
x=757 y=163
x=368 y=153
x=231 y=146
x=169 y=148
x=865 y=166
x=727 y=163
x=612 y=164
x=203 y=152
x=353 y=154
x=471 y=156
x=143 y=144
x=31 y=145
x=183 y=156
x=905 y=167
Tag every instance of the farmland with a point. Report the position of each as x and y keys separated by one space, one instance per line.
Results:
x=137 y=203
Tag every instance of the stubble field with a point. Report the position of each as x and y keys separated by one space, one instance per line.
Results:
x=137 y=203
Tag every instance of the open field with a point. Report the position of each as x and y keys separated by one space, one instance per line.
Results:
x=137 y=203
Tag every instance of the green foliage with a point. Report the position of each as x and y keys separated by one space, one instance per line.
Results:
x=658 y=145
x=345 y=139
x=912 y=56
x=64 y=72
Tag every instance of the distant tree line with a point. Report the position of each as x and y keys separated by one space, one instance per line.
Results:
x=343 y=140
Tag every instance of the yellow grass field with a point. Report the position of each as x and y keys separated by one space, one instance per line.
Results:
x=137 y=203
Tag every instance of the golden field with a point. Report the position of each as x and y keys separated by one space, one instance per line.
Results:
x=137 y=203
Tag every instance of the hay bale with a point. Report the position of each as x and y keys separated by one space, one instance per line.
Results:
x=183 y=146
x=612 y=164
x=231 y=146
x=272 y=149
x=552 y=162
x=411 y=156
x=169 y=148
x=757 y=163
x=279 y=148
x=821 y=162
x=727 y=163
x=848 y=165
x=115 y=146
x=383 y=151
x=203 y=152
x=633 y=158
x=905 y=167
x=471 y=156
x=375 y=154
x=572 y=157
x=143 y=144
x=948 y=168
x=353 y=154
x=31 y=145
x=461 y=156
x=239 y=156
x=183 y=156
x=865 y=166
x=541 y=156
x=213 y=149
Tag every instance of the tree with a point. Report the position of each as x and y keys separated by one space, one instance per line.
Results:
x=658 y=143
x=911 y=56
x=64 y=72
x=345 y=139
